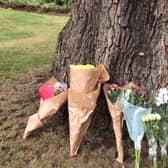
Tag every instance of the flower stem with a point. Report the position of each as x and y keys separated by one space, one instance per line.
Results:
x=155 y=165
x=137 y=158
x=164 y=161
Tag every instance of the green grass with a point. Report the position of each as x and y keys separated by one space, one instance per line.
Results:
x=27 y=40
x=15 y=35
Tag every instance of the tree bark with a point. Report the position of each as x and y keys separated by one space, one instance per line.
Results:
x=130 y=37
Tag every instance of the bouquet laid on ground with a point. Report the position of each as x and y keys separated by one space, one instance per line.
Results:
x=162 y=108
x=47 y=91
x=53 y=95
x=136 y=103
x=113 y=97
x=152 y=131
x=85 y=83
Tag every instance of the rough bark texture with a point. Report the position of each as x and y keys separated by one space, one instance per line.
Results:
x=130 y=37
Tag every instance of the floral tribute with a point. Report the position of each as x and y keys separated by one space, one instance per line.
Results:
x=136 y=102
x=85 y=85
x=161 y=107
x=53 y=94
x=47 y=91
x=114 y=92
x=151 y=125
x=140 y=97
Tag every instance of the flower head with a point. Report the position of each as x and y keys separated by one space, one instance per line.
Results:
x=162 y=96
x=140 y=97
x=80 y=66
x=151 y=117
x=127 y=93
x=114 y=86
x=145 y=103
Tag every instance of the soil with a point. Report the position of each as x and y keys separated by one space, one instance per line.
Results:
x=49 y=146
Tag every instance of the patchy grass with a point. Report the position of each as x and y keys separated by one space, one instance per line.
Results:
x=27 y=40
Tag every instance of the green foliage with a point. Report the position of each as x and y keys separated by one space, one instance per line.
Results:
x=114 y=94
x=60 y=2
x=49 y=4
x=140 y=97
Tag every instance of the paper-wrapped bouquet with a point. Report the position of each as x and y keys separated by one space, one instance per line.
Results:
x=53 y=95
x=113 y=97
x=85 y=83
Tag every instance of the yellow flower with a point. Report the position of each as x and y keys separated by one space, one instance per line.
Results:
x=158 y=117
x=151 y=117
x=143 y=118
x=80 y=66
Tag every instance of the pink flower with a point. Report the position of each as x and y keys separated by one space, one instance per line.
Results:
x=145 y=104
x=46 y=91
x=114 y=86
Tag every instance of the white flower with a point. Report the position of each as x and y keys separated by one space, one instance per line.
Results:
x=109 y=92
x=127 y=94
x=162 y=96
x=147 y=118
x=151 y=117
x=158 y=117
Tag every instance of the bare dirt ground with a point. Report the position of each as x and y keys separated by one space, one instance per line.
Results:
x=49 y=147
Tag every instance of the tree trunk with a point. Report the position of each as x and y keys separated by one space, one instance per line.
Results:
x=130 y=37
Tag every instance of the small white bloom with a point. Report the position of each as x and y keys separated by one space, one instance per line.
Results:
x=127 y=93
x=147 y=118
x=158 y=117
x=109 y=92
x=155 y=116
x=162 y=96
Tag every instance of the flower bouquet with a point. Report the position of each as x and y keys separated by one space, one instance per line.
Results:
x=162 y=108
x=136 y=103
x=85 y=83
x=114 y=93
x=113 y=97
x=53 y=95
x=47 y=91
x=151 y=125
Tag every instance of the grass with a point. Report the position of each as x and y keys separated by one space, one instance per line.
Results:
x=27 y=40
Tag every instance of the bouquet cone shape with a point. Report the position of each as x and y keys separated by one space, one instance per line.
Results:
x=48 y=108
x=117 y=118
x=84 y=90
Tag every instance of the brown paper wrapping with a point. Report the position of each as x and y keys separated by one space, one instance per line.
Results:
x=47 y=109
x=82 y=96
x=117 y=119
